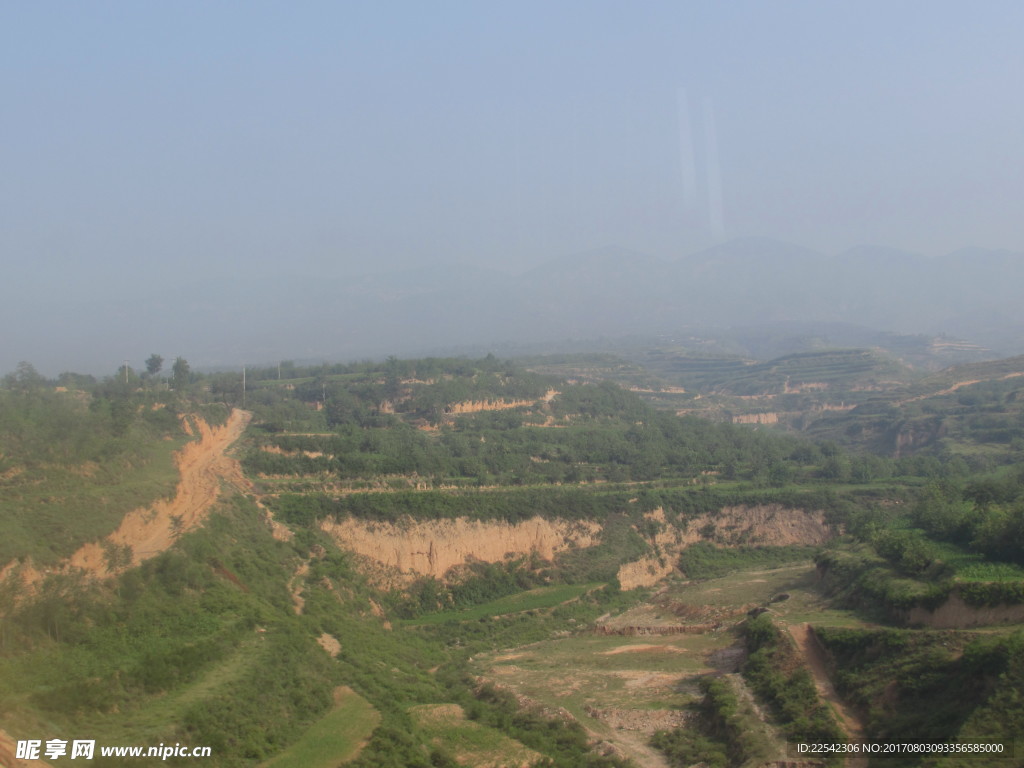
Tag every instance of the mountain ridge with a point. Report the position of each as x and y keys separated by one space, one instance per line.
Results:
x=969 y=293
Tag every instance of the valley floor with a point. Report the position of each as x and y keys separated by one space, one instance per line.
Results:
x=636 y=673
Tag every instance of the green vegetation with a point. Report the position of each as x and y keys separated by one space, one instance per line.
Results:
x=456 y=740
x=725 y=733
x=366 y=427
x=215 y=641
x=849 y=368
x=901 y=680
x=962 y=537
x=707 y=561
x=531 y=600
x=74 y=462
x=333 y=739
x=957 y=415
x=787 y=687
x=190 y=646
x=565 y=743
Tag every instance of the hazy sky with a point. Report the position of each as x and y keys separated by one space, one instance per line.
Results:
x=144 y=144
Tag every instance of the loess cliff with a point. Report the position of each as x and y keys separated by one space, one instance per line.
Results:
x=432 y=548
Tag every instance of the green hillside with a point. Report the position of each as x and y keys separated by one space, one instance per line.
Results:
x=76 y=457
x=842 y=369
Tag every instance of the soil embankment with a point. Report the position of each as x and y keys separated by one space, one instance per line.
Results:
x=203 y=465
x=955 y=613
x=432 y=548
x=760 y=525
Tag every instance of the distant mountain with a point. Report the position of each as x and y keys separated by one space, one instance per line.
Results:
x=752 y=281
x=970 y=294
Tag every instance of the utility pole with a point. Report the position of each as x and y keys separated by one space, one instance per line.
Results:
x=125 y=371
x=243 y=386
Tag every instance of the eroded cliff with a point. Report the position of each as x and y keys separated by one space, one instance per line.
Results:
x=431 y=548
x=760 y=525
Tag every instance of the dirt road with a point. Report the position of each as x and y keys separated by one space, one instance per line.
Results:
x=955 y=387
x=815 y=657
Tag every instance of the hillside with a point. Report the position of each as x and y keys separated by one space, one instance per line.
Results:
x=973 y=411
x=843 y=371
x=415 y=542
x=866 y=399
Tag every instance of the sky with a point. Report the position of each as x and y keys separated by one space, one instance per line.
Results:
x=144 y=146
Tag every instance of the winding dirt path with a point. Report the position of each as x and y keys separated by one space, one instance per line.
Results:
x=296 y=585
x=203 y=464
x=636 y=748
x=815 y=657
x=956 y=386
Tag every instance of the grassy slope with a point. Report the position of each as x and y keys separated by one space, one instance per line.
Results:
x=531 y=600
x=171 y=651
x=445 y=726
x=335 y=738
x=50 y=510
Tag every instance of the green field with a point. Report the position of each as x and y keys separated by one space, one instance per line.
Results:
x=146 y=721
x=973 y=566
x=469 y=743
x=746 y=589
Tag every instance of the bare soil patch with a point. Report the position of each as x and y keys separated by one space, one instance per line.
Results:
x=643 y=720
x=296 y=585
x=433 y=547
x=331 y=644
x=643 y=648
x=641 y=678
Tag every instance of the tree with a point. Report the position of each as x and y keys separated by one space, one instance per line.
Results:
x=154 y=364
x=122 y=414
x=180 y=373
x=25 y=378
